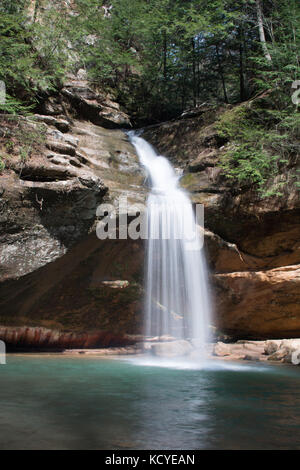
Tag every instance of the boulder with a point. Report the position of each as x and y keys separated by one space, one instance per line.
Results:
x=279 y=355
x=272 y=346
x=287 y=350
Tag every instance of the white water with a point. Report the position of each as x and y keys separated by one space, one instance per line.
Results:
x=177 y=299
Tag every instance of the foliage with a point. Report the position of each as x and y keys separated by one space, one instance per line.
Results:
x=160 y=57
x=21 y=138
x=2 y=163
x=33 y=55
x=163 y=56
x=262 y=142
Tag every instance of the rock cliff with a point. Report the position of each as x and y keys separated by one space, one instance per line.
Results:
x=55 y=273
x=62 y=287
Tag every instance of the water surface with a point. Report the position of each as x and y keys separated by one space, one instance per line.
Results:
x=57 y=402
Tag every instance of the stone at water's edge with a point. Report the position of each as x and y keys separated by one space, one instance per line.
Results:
x=44 y=339
x=222 y=349
x=284 y=351
x=172 y=349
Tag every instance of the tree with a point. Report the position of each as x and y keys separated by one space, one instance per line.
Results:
x=262 y=31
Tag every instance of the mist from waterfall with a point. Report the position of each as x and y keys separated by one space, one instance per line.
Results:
x=177 y=304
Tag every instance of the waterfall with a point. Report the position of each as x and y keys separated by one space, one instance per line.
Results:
x=177 y=301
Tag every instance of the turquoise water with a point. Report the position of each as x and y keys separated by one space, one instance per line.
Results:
x=88 y=403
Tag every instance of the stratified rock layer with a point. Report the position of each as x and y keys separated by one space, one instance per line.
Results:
x=55 y=273
x=259 y=303
x=35 y=339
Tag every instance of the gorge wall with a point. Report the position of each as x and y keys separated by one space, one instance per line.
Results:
x=60 y=286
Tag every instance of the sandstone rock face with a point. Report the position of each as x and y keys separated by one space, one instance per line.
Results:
x=93 y=106
x=55 y=273
x=259 y=304
x=25 y=338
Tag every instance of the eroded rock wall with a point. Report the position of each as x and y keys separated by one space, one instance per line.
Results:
x=55 y=273
x=57 y=276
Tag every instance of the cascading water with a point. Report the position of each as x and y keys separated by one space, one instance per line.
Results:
x=177 y=299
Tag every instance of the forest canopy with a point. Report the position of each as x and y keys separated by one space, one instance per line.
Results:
x=158 y=56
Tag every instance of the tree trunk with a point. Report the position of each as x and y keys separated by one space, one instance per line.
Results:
x=36 y=9
x=194 y=73
x=241 y=68
x=165 y=55
x=262 y=36
x=221 y=75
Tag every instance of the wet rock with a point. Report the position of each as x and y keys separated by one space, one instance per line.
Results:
x=222 y=349
x=252 y=357
x=56 y=135
x=207 y=181
x=172 y=349
x=226 y=257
